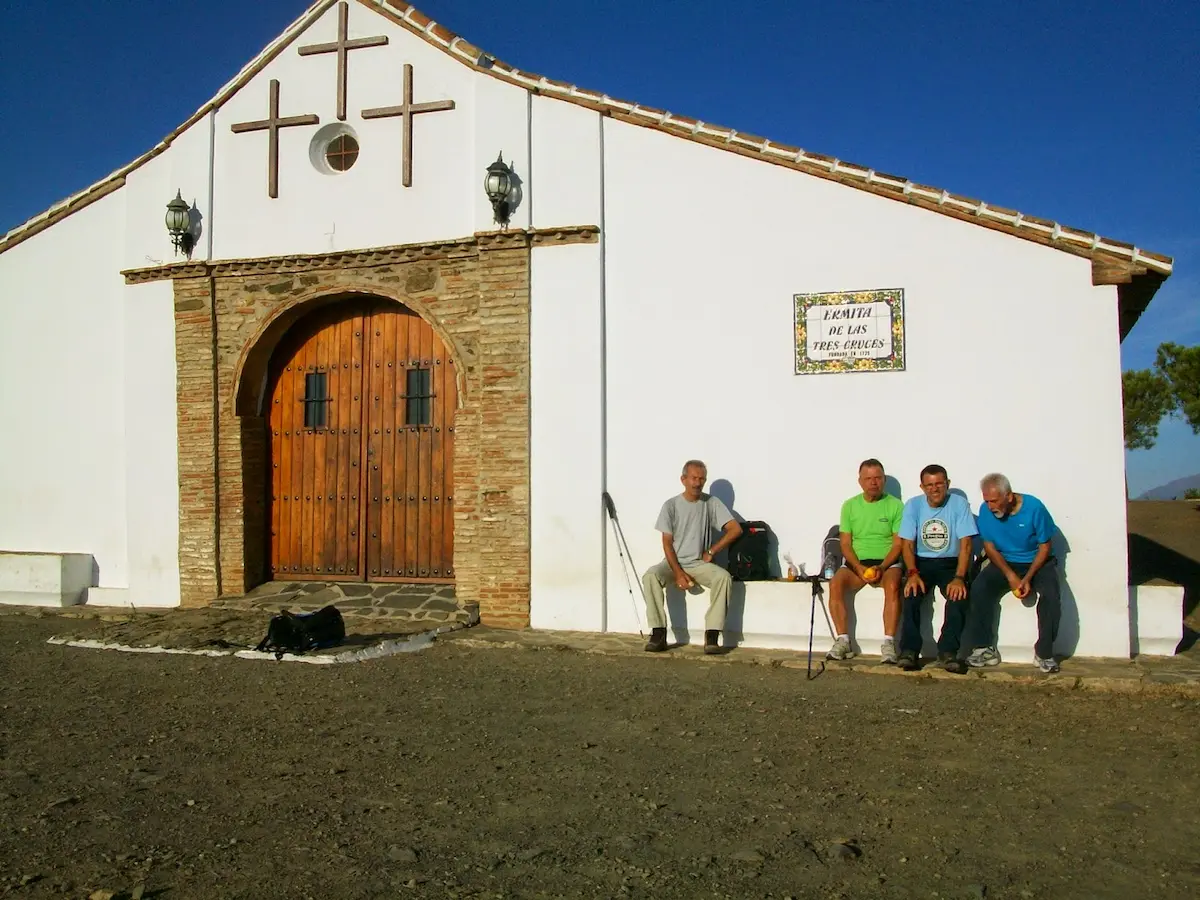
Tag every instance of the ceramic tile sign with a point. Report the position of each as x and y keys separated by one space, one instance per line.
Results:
x=849 y=331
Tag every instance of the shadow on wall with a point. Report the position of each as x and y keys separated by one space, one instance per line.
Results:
x=723 y=490
x=891 y=485
x=1151 y=561
x=1068 y=629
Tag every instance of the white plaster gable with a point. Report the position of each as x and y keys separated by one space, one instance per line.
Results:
x=368 y=205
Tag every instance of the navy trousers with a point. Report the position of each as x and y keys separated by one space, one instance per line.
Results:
x=990 y=586
x=936 y=573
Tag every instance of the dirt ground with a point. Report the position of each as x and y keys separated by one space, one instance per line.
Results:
x=520 y=773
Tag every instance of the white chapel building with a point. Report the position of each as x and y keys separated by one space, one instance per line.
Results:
x=352 y=361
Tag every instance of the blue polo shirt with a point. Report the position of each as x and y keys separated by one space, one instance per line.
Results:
x=1018 y=535
x=937 y=530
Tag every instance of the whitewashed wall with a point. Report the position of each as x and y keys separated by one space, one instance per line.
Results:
x=366 y=206
x=1012 y=365
x=151 y=445
x=183 y=167
x=62 y=391
x=566 y=309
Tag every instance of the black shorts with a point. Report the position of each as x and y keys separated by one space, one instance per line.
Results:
x=867 y=563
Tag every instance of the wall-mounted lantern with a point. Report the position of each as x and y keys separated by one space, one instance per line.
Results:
x=498 y=185
x=179 y=225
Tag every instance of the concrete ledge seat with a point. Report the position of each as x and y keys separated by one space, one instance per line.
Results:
x=44 y=579
x=1155 y=618
x=775 y=615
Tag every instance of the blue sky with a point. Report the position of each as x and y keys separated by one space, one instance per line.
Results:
x=1083 y=114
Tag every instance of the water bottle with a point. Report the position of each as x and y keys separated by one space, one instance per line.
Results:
x=827 y=566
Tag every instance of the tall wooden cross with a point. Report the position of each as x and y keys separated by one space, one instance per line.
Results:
x=407 y=110
x=340 y=47
x=272 y=124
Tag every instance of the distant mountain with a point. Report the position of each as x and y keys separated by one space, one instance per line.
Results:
x=1172 y=490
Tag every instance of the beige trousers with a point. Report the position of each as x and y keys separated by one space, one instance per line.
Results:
x=716 y=579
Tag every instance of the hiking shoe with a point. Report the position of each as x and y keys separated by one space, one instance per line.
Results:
x=711 y=642
x=658 y=640
x=841 y=649
x=984 y=656
x=955 y=666
x=944 y=656
x=1049 y=666
x=908 y=661
x=887 y=652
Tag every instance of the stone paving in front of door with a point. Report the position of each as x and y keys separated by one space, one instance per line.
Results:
x=432 y=603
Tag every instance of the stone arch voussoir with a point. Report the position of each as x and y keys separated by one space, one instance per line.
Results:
x=249 y=375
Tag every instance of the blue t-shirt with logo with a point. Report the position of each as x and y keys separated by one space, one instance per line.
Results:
x=1018 y=535
x=937 y=530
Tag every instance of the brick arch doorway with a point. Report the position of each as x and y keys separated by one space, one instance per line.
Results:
x=361 y=398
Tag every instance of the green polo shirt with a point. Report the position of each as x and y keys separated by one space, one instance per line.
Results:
x=873 y=525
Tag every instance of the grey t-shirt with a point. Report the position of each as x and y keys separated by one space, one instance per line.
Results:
x=691 y=524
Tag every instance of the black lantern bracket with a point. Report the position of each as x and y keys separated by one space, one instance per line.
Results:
x=498 y=185
x=179 y=225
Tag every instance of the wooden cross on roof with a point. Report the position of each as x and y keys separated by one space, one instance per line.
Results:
x=272 y=124
x=407 y=110
x=341 y=46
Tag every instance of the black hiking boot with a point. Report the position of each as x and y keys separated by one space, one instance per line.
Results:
x=711 y=642
x=658 y=640
x=908 y=661
x=953 y=664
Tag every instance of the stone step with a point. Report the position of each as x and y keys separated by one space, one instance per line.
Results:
x=402 y=602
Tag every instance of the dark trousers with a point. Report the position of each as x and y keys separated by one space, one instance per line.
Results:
x=990 y=586
x=936 y=573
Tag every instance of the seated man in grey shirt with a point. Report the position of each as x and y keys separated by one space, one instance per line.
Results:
x=687 y=522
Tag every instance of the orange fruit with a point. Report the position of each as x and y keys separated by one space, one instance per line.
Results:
x=869 y=573
x=1021 y=593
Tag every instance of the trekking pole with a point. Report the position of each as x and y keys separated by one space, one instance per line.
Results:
x=619 y=536
x=817 y=591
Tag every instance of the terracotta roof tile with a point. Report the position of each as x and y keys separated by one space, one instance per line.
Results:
x=442 y=33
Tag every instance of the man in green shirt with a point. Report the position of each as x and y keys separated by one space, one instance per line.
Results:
x=870 y=539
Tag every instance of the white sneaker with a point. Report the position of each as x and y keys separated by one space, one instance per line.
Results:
x=1049 y=666
x=887 y=652
x=984 y=656
x=841 y=649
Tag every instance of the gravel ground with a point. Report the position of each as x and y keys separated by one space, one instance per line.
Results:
x=509 y=773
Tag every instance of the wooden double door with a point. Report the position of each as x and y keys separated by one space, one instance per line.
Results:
x=362 y=399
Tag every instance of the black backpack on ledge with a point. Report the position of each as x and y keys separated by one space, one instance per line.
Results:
x=749 y=555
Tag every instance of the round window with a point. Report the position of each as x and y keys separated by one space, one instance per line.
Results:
x=333 y=149
x=341 y=152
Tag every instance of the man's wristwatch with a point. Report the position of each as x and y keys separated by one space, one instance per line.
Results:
x=959 y=578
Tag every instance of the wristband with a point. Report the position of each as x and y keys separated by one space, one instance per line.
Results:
x=960 y=577
x=912 y=573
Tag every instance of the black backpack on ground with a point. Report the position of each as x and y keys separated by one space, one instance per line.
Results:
x=291 y=632
x=749 y=555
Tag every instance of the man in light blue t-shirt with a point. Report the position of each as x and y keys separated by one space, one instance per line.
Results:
x=1016 y=530
x=935 y=540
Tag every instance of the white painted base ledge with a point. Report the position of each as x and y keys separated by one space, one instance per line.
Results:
x=375 y=651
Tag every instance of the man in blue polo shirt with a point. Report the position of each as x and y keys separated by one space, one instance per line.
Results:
x=1016 y=530
x=935 y=541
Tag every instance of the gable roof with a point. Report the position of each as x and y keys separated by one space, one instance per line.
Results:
x=1137 y=272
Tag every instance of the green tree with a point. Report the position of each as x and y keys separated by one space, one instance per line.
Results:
x=1180 y=366
x=1147 y=398
x=1172 y=387
x=1191 y=494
